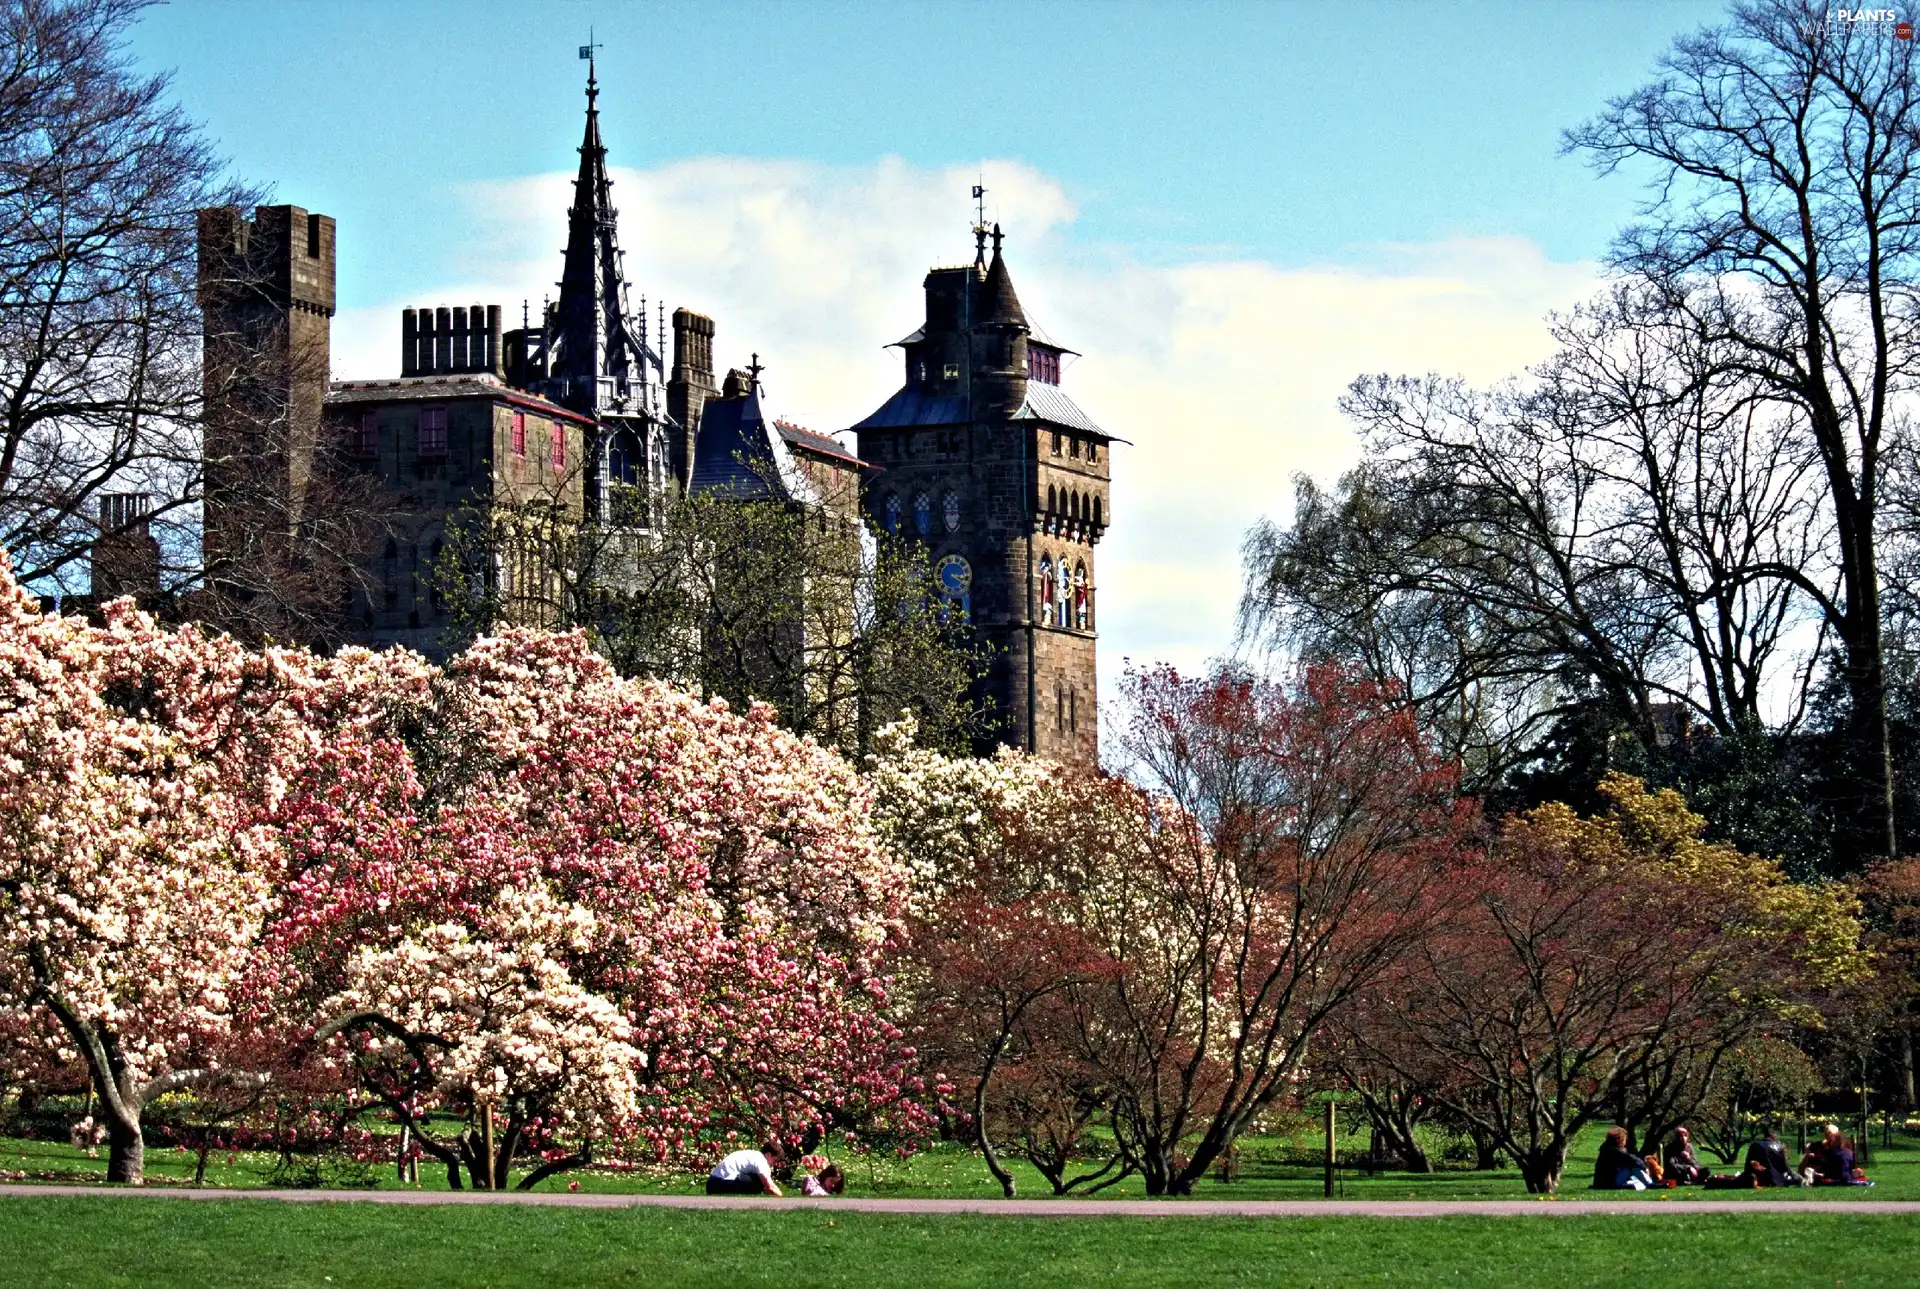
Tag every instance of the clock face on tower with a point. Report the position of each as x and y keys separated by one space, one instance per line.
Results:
x=955 y=576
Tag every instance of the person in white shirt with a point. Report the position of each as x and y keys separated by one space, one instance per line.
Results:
x=746 y=1172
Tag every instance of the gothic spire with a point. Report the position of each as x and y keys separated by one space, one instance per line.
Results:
x=598 y=353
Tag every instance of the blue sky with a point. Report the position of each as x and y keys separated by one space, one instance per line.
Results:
x=1233 y=208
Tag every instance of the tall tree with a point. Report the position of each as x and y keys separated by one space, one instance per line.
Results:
x=1780 y=149
x=100 y=179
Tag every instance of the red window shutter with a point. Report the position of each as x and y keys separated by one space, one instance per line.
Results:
x=558 y=443
x=520 y=435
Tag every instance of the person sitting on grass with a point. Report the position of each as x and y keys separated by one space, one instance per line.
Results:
x=747 y=1172
x=1617 y=1168
x=1830 y=1162
x=1683 y=1166
x=825 y=1181
x=1771 y=1157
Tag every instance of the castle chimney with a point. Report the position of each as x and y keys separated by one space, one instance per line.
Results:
x=443 y=339
x=689 y=385
x=409 y=343
x=493 y=363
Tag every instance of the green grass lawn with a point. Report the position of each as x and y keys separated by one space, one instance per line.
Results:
x=157 y=1243
x=951 y=1171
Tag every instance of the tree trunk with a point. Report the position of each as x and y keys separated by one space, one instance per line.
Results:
x=1541 y=1167
x=987 y=1152
x=1906 y=1067
x=126 y=1152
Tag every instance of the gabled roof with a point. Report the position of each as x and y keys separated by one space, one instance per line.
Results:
x=738 y=454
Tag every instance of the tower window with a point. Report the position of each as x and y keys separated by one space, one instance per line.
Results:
x=952 y=371
x=313 y=237
x=1043 y=365
x=923 y=514
x=1082 y=604
x=520 y=436
x=1073 y=445
x=1063 y=598
x=366 y=435
x=1096 y=512
x=1093 y=449
x=1056 y=443
x=1073 y=709
x=433 y=432
x=950 y=512
x=1046 y=590
x=891 y=514
x=557 y=446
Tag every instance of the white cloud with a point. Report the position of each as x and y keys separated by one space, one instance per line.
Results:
x=1222 y=373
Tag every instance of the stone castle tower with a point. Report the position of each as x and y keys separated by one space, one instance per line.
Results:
x=986 y=461
x=266 y=288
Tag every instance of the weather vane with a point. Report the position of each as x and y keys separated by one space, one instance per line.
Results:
x=586 y=50
x=980 y=223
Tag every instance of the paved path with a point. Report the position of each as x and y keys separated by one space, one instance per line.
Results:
x=1018 y=1207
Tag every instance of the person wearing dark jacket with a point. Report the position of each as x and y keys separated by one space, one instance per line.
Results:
x=1616 y=1168
x=1683 y=1166
x=1771 y=1157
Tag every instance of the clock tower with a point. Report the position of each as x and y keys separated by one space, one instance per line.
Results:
x=985 y=460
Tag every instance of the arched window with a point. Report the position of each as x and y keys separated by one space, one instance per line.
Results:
x=892 y=513
x=623 y=459
x=950 y=511
x=923 y=514
x=1046 y=589
x=1073 y=709
x=1064 y=596
x=1053 y=499
x=1082 y=610
x=1096 y=512
x=1073 y=507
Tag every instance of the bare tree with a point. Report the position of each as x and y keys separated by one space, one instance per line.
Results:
x=1782 y=149
x=1595 y=537
x=100 y=178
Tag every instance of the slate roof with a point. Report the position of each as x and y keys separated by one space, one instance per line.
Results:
x=429 y=389
x=735 y=437
x=806 y=440
x=1047 y=403
x=912 y=405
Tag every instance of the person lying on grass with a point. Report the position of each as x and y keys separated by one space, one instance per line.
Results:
x=825 y=1179
x=747 y=1172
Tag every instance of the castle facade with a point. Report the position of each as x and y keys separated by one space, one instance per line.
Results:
x=980 y=455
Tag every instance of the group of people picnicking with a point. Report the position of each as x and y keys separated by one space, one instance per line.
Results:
x=1829 y=1161
x=760 y=1172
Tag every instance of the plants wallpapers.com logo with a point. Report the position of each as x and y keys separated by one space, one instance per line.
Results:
x=1888 y=17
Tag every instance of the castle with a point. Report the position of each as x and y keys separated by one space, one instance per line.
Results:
x=980 y=455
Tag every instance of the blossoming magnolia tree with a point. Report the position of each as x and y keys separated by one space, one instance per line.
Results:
x=138 y=768
x=610 y=915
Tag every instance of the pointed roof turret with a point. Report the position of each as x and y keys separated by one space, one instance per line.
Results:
x=1001 y=305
